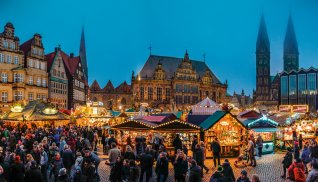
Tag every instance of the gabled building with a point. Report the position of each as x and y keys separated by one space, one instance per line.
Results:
x=172 y=83
x=112 y=98
x=58 y=80
x=36 y=69
x=241 y=100
x=22 y=69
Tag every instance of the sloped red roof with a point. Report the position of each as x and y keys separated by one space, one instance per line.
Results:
x=65 y=59
x=109 y=87
x=95 y=86
x=124 y=87
x=26 y=46
x=49 y=59
x=73 y=62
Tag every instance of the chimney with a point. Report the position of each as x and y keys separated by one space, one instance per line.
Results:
x=72 y=55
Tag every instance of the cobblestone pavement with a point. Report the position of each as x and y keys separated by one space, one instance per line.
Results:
x=269 y=169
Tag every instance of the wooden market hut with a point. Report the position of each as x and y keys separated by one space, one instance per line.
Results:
x=266 y=128
x=169 y=130
x=38 y=113
x=132 y=128
x=228 y=129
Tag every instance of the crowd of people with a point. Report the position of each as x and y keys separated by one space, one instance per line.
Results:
x=124 y=161
x=299 y=159
x=57 y=154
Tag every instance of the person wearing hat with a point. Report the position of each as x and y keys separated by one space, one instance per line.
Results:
x=62 y=177
x=195 y=172
x=287 y=161
x=227 y=173
x=34 y=174
x=217 y=175
x=243 y=177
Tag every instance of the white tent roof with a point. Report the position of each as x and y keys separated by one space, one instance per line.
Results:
x=205 y=107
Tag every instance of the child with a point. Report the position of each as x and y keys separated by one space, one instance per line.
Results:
x=125 y=171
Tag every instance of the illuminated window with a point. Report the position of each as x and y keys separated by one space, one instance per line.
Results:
x=4 y=97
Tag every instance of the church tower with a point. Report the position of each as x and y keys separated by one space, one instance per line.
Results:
x=262 y=63
x=291 y=54
x=82 y=54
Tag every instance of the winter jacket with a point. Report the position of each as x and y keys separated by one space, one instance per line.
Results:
x=259 y=142
x=199 y=156
x=177 y=144
x=17 y=172
x=162 y=166
x=133 y=174
x=113 y=154
x=146 y=161
x=63 y=178
x=88 y=174
x=68 y=158
x=228 y=172
x=217 y=177
x=312 y=176
x=180 y=167
x=195 y=174
x=129 y=155
x=288 y=159
x=243 y=180
x=305 y=156
x=33 y=175
x=57 y=165
x=215 y=147
x=291 y=169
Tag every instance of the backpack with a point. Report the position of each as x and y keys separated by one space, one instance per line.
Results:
x=299 y=174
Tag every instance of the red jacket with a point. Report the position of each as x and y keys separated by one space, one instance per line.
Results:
x=291 y=169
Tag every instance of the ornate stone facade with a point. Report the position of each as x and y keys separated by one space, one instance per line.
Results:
x=22 y=69
x=171 y=83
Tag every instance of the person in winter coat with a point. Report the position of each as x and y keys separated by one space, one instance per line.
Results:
x=300 y=141
x=115 y=171
x=296 y=150
x=228 y=174
x=202 y=145
x=216 y=149
x=62 y=177
x=217 y=175
x=180 y=167
x=250 y=149
x=94 y=159
x=162 y=167
x=68 y=158
x=243 y=177
x=133 y=171
x=88 y=171
x=288 y=160
x=199 y=157
x=193 y=145
x=195 y=172
x=57 y=164
x=297 y=164
x=313 y=174
x=177 y=143
x=305 y=157
x=259 y=144
x=17 y=170
x=129 y=153
x=29 y=160
x=146 y=163
x=34 y=174
x=78 y=175
x=125 y=173
x=313 y=149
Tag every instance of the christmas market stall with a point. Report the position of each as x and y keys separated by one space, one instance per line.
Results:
x=266 y=128
x=169 y=130
x=229 y=131
x=205 y=107
x=127 y=131
x=36 y=113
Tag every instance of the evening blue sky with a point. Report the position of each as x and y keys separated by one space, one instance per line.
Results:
x=118 y=33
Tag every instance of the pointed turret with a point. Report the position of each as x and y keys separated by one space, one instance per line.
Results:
x=95 y=87
x=262 y=63
x=186 y=56
x=291 y=54
x=109 y=88
x=262 y=43
x=82 y=54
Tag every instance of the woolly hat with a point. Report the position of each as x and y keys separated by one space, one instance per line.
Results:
x=62 y=172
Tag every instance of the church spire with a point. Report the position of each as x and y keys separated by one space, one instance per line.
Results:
x=82 y=53
x=186 y=56
x=262 y=44
x=291 y=54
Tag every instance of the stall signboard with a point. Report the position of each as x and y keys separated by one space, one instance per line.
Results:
x=300 y=108
x=285 y=108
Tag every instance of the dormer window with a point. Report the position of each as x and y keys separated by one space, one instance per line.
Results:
x=5 y=44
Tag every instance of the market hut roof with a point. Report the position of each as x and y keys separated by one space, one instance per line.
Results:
x=263 y=122
x=205 y=107
x=36 y=111
x=122 y=115
x=250 y=114
x=135 y=125
x=197 y=119
x=177 y=125
x=214 y=118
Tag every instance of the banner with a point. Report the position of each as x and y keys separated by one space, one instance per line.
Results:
x=300 y=108
x=285 y=108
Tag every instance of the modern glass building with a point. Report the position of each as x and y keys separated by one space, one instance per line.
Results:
x=299 y=88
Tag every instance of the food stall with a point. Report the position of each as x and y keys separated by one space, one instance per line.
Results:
x=266 y=128
x=230 y=132
x=169 y=130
